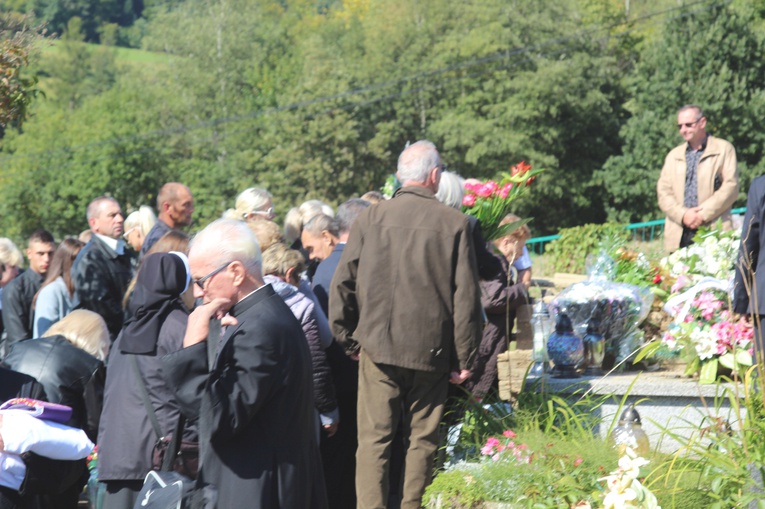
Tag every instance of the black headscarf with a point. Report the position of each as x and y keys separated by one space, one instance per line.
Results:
x=162 y=278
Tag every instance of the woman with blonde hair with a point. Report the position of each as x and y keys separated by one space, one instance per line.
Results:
x=69 y=363
x=513 y=248
x=54 y=299
x=137 y=225
x=252 y=204
x=10 y=261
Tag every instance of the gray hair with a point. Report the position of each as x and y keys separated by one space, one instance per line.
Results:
x=94 y=207
x=322 y=223
x=348 y=212
x=297 y=217
x=250 y=200
x=450 y=190
x=416 y=161
x=227 y=240
x=691 y=107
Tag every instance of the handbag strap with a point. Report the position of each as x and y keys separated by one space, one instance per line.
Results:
x=145 y=397
x=175 y=442
x=175 y=445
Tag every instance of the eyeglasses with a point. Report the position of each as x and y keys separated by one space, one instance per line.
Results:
x=201 y=281
x=269 y=212
x=127 y=233
x=689 y=124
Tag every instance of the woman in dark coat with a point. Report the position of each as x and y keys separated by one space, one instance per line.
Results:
x=69 y=363
x=156 y=327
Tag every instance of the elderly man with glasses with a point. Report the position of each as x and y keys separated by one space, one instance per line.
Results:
x=251 y=388
x=699 y=181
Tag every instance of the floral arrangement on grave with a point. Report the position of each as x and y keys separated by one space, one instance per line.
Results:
x=491 y=201
x=619 y=309
x=713 y=254
x=633 y=267
x=705 y=336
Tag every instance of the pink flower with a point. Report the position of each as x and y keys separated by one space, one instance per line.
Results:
x=492 y=441
x=468 y=200
x=508 y=433
x=484 y=191
x=682 y=282
x=578 y=462
x=472 y=186
x=505 y=191
x=495 y=457
x=487 y=450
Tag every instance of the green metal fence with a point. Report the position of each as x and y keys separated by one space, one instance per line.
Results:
x=646 y=232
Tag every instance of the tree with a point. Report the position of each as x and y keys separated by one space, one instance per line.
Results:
x=712 y=57
x=17 y=90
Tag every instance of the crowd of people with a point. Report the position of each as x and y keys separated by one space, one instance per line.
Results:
x=309 y=362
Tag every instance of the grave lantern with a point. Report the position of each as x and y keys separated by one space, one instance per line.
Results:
x=542 y=325
x=629 y=433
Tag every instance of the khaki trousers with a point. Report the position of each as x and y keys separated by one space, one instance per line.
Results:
x=384 y=392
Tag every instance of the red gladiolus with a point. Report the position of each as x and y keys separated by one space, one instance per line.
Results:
x=520 y=168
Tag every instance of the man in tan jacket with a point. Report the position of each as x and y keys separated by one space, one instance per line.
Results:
x=699 y=181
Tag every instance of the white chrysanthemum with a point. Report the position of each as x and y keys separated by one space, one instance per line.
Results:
x=705 y=344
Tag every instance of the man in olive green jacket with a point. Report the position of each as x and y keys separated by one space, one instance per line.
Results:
x=702 y=195
x=405 y=297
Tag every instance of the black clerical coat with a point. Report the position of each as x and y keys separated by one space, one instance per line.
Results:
x=255 y=407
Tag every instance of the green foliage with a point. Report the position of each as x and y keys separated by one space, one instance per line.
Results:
x=569 y=252
x=94 y=13
x=317 y=100
x=17 y=89
x=711 y=56
x=560 y=473
x=722 y=459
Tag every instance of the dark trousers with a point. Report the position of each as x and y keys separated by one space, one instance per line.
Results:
x=389 y=395
x=338 y=455
x=121 y=494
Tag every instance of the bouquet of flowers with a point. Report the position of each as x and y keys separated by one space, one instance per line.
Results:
x=706 y=337
x=491 y=201
x=617 y=307
x=713 y=254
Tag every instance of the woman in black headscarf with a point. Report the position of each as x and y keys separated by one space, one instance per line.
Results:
x=156 y=327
